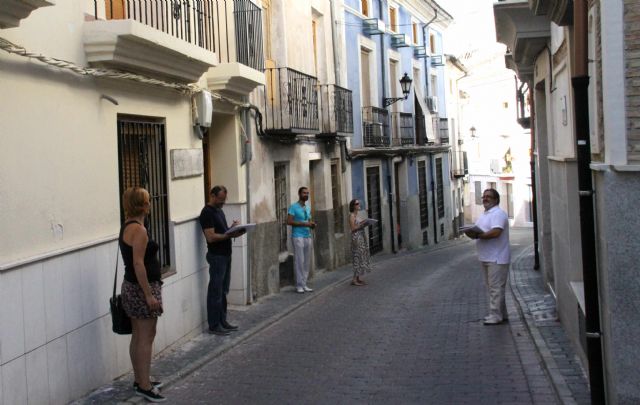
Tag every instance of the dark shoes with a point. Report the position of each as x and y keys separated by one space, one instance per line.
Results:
x=156 y=384
x=226 y=325
x=152 y=395
x=219 y=330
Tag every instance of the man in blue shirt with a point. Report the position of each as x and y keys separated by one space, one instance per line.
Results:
x=301 y=225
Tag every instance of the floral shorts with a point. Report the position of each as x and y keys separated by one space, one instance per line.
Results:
x=134 y=303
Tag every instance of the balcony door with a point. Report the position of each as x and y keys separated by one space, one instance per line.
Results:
x=365 y=77
x=115 y=10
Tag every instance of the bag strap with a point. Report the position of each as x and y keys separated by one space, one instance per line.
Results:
x=115 y=279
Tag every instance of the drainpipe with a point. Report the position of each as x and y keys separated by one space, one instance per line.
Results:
x=334 y=38
x=246 y=121
x=383 y=70
x=534 y=187
x=580 y=83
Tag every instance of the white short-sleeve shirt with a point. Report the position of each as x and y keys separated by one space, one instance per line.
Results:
x=496 y=250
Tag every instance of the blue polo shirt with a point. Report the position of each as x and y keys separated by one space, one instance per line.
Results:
x=300 y=214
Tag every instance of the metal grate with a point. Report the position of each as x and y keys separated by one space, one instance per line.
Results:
x=440 y=187
x=282 y=202
x=338 y=218
x=422 y=194
x=374 y=209
x=142 y=163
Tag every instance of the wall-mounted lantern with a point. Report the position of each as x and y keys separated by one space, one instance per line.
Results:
x=405 y=83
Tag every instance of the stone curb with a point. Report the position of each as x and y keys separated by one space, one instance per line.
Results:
x=559 y=384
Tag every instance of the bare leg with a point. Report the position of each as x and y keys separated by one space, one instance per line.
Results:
x=141 y=348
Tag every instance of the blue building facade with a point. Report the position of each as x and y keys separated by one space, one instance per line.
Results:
x=400 y=153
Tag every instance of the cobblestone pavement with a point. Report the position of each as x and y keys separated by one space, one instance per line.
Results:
x=413 y=335
x=539 y=310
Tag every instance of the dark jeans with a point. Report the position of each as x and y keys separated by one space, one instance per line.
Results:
x=219 y=278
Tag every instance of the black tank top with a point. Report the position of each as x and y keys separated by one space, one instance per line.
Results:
x=151 y=262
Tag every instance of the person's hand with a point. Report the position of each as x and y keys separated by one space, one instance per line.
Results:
x=234 y=223
x=471 y=234
x=153 y=303
x=237 y=233
x=312 y=225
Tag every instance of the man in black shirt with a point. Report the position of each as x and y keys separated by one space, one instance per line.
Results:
x=214 y=225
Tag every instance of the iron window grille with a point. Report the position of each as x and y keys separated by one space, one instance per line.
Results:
x=374 y=209
x=282 y=202
x=422 y=194
x=142 y=163
x=443 y=128
x=440 y=188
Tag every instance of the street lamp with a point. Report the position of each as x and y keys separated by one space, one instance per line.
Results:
x=473 y=132
x=405 y=83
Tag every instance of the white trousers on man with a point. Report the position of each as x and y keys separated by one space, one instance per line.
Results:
x=301 y=260
x=495 y=277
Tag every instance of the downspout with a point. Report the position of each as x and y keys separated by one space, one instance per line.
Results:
x=534 y=187
x=580 y=83
x=246 y=122
x=389 y=166
x=334 y=38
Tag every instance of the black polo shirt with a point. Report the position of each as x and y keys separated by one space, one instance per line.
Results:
x=212 y=217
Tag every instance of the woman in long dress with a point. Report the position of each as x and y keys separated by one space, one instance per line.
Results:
x=359 y=245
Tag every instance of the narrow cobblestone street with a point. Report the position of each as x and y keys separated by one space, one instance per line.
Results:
x=413 y=335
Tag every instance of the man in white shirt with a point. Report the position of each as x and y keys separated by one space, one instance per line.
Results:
x=494 y=254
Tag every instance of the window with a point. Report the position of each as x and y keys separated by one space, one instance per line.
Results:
x=510 y=200
x=364 y=7
x=492 y=184
x=432 y=43
x=365 y=79
x=142 y=163
x=414 y=32
x=314 y=33
x=422 y=194
x=338 y=221
x=282 y=202
x=393 y=19
x=267 y=17
x=478 y=192
x=115 y=10
x=440 y=188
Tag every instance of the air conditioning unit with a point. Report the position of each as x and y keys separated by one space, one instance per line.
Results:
x=373 y=130
x=373 y=26
x=432 y=104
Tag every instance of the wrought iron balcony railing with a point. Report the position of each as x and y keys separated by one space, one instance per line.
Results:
x=375 y=127
x=230 y=28
x=402 y=128
x=336 y=110
x=291 y=102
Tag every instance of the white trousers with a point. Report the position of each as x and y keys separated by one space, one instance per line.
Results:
x=302 y=259
x=495 y=278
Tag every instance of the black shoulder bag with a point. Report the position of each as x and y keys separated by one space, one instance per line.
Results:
x=121 y=323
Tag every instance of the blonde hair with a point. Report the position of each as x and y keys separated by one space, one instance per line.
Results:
x=133 y=201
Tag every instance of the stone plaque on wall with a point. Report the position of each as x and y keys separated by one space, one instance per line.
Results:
x=186 y=163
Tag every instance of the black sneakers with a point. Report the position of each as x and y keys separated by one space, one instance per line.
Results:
x=152 y=395
x=157 y=384
x=219 y=330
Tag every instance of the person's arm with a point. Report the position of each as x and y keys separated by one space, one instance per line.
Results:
x=492 y=234
x=139 y=245
x=290 y=221
x=352 y=223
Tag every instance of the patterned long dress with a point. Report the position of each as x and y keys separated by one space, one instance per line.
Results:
x=360 y=252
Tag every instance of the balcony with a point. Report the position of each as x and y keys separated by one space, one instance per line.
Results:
x=524 y=34
x=336 y=110
x=239 y=46
x=402 y=129
x=291 y=102
x=460 y=164
x=375 y=127
x=179 y=40
x=558 y=11
x=12 y=11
